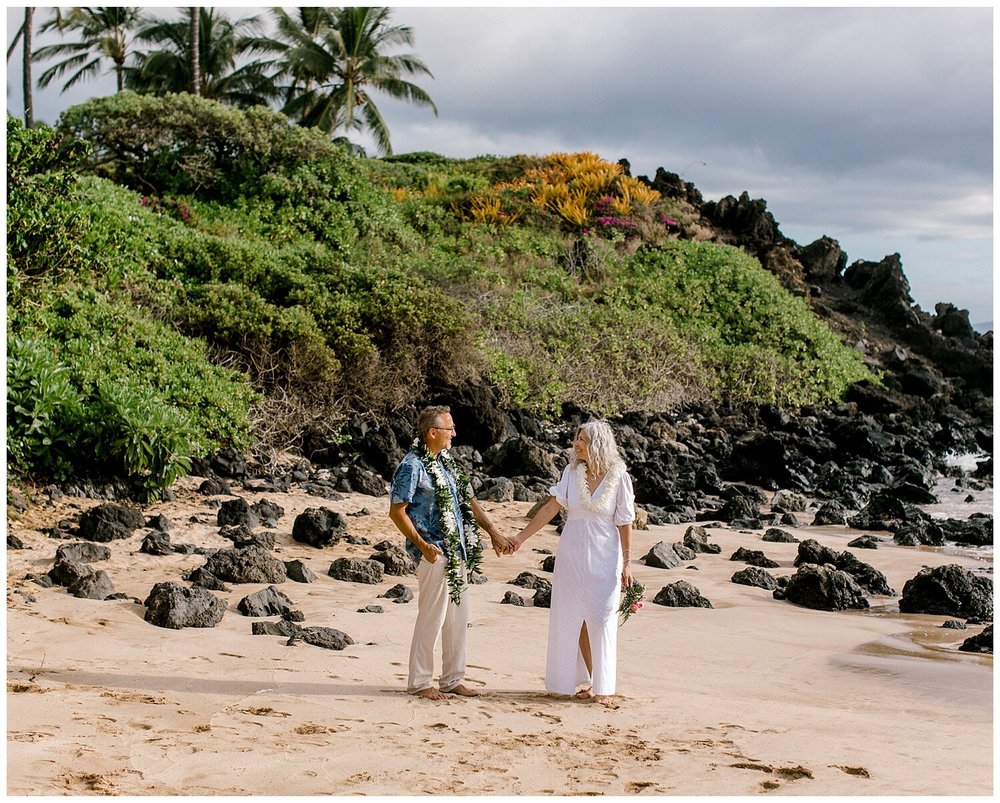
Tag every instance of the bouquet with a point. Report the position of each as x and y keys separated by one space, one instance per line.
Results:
x=632 y=602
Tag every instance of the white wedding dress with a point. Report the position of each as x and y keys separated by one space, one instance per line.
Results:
x=587 y=580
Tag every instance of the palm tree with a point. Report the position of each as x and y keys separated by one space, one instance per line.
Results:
x=220 y=43
x=103 y=34
x=195 y=51
x=29 y=104
x=335 y=58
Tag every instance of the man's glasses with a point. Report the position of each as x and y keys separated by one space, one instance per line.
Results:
x=445 y=429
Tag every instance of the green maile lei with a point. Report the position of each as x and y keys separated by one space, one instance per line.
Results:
x=446 y=513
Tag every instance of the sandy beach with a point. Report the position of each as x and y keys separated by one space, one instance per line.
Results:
x=753 y=696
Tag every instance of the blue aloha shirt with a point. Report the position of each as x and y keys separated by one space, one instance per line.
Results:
x=412 y=484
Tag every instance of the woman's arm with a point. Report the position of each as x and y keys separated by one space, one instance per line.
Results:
x=501 y=545
x=544 y=515
x=625 y=535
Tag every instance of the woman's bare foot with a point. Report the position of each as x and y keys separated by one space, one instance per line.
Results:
x=586 y=694
x=461 y=691
x=430 y=694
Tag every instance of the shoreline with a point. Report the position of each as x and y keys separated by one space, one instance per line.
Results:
x=753 y=696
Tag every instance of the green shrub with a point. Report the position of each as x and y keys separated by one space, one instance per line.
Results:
x=140 y=437
x=44 y=230
x=45 y=412
x=764 y=344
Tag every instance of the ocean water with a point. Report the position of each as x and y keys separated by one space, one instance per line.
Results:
x=952 y=504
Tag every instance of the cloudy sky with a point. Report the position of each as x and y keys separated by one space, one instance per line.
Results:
x=871 y=126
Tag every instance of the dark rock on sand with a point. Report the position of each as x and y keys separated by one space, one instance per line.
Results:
x=65 y=572
x=549 y=564
x=822 y=588
x=82 y=551
x=754 y=557
x=399 y=594
x=279 y=628
x=250 y=564
x=175 y=606
x=326 y=637
x=510 y=598
x=812 y=551
x=266 y=602
x=319 y=527
x=243 y=536
x=298 y=572
x=864 y=542
x=527 y=580
x=356 y=570
x=830 y=513
x=981 y=642
x=109 y=522
x=96 y=585
x=776 y=536
x=681 y=595
x=754 y=576
x=949 y=590
x=696 y=539
x=202 y=578
x=543 y=596
x=395 y=560
x=237 y=512
x=954 y=624
x=370 y=609
x=667 y=556
x=156 y=543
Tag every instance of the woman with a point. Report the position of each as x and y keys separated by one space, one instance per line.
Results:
x=592 y=564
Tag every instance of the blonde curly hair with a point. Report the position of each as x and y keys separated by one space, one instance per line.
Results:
x=602 y=450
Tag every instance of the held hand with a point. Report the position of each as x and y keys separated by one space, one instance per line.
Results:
x=500 y=544
x=515 y=543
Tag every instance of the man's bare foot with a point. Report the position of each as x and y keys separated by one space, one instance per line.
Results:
x=586 y=694
x=461 y=691
x=430 y=694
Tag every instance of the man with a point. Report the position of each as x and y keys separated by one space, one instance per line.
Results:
x=432 y=505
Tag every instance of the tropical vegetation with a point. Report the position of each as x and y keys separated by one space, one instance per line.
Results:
x=322 y=66
x=223 y=277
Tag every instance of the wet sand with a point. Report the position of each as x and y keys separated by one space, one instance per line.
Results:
x=753 y=696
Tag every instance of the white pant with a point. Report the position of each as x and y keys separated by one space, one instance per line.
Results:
x=437 y=614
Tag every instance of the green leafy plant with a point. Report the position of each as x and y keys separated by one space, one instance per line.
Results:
x=137 y=435
x=45 y=412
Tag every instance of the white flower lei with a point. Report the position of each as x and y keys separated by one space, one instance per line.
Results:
x=601 y=504
x=446 y=512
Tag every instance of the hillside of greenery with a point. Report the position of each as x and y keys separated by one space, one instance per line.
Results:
x=183 y=276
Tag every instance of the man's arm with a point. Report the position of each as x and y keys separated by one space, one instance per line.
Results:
x=399 y=516
x=501 y=545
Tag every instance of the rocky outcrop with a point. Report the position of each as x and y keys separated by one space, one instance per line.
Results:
x=949 y=590
x=822 y=588
x=981 y=642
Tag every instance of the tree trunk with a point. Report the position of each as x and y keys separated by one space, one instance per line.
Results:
x=195 y=51
x=29 y=112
